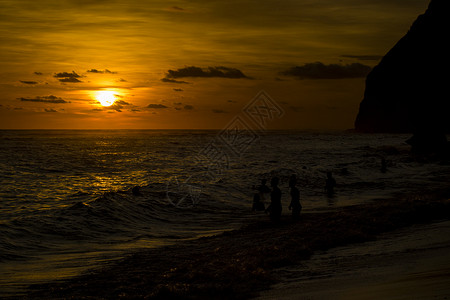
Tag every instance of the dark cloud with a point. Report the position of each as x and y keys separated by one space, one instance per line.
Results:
x=121 y=80
x=188 y=107
x=29 y=82
x=121 y=102
x=118 y=105
x=193 y=71
x=38 y=73
x=173 y=81
x=67 y=77
x=178 y=90
x=219 y=111
x=46 y=99
x=157 y=106
x=364 y=57
x=51 y=110
x=319 y=70
x=106 y=71
x=177 y=8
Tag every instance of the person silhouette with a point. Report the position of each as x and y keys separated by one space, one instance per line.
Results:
x=263 y=189
x=258 y=205
x=295 y=204
x=275 y=201
x=330 y=183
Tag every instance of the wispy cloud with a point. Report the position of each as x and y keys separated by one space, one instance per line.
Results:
x=106 y=71
x=28 y=82
x=156 y=106
x=45 y=99
x=173 y=81
x=192 y=71
x=318 y=70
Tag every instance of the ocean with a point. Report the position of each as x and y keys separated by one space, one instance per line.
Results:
x=67 y=202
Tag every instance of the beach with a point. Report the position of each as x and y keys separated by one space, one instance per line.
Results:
x=409 y=263
x=240 y=264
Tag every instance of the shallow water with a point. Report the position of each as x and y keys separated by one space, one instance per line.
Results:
x=66 y=202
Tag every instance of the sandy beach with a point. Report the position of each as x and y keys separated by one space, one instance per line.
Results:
x=375 y=250
x=409 y=263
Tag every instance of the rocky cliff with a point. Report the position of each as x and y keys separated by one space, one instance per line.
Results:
x=408 y=90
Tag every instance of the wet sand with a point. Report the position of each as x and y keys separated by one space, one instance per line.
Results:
x=409 y=263
x=242 y=263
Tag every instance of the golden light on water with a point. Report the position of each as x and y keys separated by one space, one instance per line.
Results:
x=106 y=98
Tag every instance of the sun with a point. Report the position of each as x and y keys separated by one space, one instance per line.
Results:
x=106 y=98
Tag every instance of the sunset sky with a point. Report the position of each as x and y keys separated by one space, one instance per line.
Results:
x=190 y=64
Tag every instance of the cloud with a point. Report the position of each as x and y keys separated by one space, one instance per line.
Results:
x=106 y=71
x=66 y=74
x=219 y=111
x=51 y=110
x=156 y=106
x=45 y=99
x=318 y=70
x=177 y=8
x=38 y=73
x=67 y=77
x=178 y=90
x=173 y=81
x=121 y=102
x=121 y=80
x=364 y=57
x=29 y=82
x=188 y=107
x=193 y=71
x=118 y=105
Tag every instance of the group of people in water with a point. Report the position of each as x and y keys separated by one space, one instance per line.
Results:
x=274 y=208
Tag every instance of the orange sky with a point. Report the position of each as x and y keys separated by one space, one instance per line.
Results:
x=190 y=64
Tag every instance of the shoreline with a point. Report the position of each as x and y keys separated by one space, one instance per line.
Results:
x=241 y=263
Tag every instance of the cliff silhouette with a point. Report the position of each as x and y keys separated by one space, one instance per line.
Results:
x=407 y=92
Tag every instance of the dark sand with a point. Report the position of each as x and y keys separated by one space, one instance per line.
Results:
x=242 y=263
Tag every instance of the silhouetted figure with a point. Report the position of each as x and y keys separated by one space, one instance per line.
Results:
x=275 y=201
x=258 y=205
x=295 y=198
x=330 y=183
x=136 y=191
x=383 y=166
x=263 y=188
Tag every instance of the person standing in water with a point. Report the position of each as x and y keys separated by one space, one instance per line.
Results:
x=330 y=183
x=275 y=201
x=295 y=205
x=263 y=189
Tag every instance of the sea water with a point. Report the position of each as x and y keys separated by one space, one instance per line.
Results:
x=67 y=204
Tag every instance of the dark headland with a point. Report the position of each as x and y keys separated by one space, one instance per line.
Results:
x=407 y=91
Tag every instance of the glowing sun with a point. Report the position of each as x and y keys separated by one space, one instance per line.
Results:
x=106 y=98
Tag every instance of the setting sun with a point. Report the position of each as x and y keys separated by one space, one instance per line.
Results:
x=106 y=98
